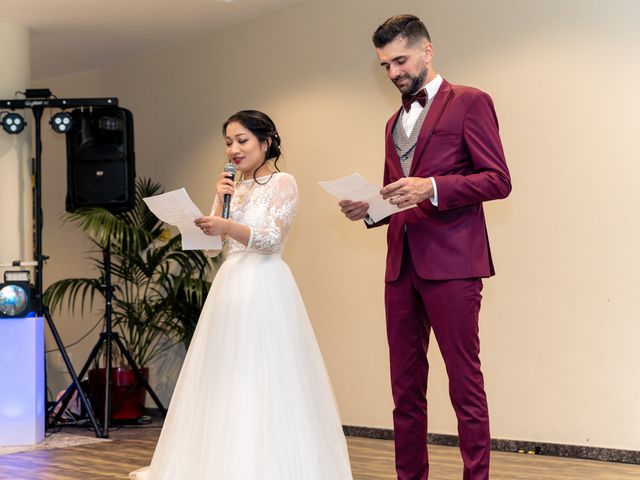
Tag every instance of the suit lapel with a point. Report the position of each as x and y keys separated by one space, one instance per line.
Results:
x=433 y=115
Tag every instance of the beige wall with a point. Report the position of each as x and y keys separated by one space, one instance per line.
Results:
x=559 y=324
x=16 y=242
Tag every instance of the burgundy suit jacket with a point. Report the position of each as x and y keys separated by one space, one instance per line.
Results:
x=459 y=145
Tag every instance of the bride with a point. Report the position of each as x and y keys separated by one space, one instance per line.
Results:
x=253 y=400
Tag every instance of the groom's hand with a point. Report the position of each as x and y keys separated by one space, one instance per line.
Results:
x=354 y=210
x=408 y=191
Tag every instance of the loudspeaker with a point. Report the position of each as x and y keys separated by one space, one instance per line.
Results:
x=101 y=160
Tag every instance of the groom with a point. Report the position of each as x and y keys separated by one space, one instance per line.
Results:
x=444 y=155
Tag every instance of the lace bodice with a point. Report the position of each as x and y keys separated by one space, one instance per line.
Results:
x=268 y=210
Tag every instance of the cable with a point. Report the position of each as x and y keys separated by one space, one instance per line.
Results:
x=79 y=340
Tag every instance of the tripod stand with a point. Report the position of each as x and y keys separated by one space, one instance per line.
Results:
x=41 y=309
x=107 y=340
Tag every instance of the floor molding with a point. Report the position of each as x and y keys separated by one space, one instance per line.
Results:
x=499 y=445
x=519 y=446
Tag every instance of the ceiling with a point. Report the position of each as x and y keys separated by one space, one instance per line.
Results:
x=69 y=36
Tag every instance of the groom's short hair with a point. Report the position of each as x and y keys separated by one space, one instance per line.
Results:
x=409 y=27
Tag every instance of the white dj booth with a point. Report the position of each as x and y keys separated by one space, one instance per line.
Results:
x=22 y=383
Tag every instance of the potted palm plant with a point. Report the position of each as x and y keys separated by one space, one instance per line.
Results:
x=158 y=289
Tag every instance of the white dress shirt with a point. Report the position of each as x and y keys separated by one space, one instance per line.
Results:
x=409 y=119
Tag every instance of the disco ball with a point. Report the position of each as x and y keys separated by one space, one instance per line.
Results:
x=14 y=300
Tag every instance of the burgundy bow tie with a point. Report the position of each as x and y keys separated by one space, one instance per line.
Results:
x=420 y=97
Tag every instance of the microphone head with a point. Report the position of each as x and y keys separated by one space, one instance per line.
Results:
x=230 y=168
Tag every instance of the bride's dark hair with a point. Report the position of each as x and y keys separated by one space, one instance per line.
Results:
x=261 y=125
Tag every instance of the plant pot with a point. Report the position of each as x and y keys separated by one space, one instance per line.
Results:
x=127 y=395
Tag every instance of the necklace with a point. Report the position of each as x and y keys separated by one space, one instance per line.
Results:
x=253 y=184
x=241 y=195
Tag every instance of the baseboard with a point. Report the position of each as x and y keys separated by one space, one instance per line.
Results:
x=515 y=446
x=524 y=447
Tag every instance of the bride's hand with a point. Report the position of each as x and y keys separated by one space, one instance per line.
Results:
x=213 y=225
x=224 y=186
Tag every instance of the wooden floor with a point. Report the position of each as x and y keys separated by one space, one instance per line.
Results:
x=370 y=460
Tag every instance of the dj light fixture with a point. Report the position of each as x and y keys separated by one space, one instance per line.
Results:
x=13 y=123
x=16 y=294
x=61 y=122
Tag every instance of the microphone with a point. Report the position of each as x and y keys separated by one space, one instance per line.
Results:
x=230 y=170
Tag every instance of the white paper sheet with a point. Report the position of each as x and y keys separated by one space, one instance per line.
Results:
x=177 y=208
x=358 y=189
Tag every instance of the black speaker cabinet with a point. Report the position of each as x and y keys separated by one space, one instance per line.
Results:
x=101 y=160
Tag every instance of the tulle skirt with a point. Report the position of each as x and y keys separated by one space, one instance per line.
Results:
x=253 y=400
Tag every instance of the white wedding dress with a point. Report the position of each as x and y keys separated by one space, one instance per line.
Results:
x=253 y=400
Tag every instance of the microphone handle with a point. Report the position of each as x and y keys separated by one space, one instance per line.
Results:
x=226 y=205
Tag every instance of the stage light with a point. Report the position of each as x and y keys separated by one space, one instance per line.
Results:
x=61 y=122
x=16 y=295
x=13 y=123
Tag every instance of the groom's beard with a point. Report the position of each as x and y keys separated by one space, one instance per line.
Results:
x=415 y=84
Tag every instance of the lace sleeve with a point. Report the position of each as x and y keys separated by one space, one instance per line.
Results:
x=280 y=215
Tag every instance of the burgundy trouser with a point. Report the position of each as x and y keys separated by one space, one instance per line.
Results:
x=414 y=306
